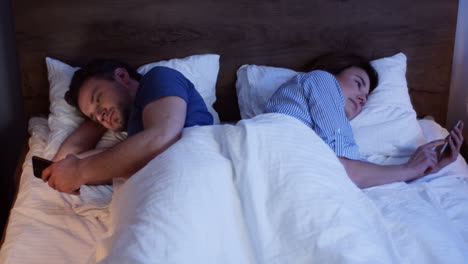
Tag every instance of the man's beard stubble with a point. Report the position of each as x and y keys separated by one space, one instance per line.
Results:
x=125 y=114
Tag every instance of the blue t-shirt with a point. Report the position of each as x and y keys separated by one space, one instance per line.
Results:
x=316 y=99
x=160 y=82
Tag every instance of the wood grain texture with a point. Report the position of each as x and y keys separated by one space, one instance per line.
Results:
x=286 y=33
x=464 y=148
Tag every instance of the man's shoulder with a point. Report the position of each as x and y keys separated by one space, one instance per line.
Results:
x=158 y=71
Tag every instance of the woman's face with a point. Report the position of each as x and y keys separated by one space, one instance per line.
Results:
x=354 y=83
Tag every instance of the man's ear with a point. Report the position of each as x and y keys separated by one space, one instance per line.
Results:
x=121 y=75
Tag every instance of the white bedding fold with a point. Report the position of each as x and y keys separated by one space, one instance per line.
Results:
x=181 y=208
x=50 y=227
x=427 y=218
x=250 y=193
x=267 y=190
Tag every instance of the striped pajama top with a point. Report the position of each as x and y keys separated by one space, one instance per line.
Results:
x=316 y=99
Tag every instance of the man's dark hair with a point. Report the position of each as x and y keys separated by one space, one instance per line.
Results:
x=335 y=63
x=100 y=69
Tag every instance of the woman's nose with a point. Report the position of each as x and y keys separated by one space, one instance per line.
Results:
x=362 y=99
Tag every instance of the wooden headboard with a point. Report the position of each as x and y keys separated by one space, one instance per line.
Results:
x=286 y=33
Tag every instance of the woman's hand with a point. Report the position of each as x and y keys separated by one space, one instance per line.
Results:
x=455 y=140
x=424 y=160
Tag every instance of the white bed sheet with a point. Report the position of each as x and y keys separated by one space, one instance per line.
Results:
x=292 y=200
x=49 y=227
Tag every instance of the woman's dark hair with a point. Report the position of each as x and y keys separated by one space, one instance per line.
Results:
x=335 y=63
x=100 y=69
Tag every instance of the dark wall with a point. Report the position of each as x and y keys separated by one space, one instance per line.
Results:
x=12 y=121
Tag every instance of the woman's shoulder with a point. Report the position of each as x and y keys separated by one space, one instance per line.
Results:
x=317 y=74
x=316 y=77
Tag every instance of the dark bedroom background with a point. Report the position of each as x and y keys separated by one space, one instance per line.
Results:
x=12 y=121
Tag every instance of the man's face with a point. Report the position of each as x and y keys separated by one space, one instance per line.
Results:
x=354 y=84
x=106 y=102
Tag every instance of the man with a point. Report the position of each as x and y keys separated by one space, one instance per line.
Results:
x=153 y=109
x=331 y=95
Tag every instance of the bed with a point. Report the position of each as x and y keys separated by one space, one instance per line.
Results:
x=246 y=191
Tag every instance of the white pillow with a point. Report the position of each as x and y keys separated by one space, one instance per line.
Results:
x=63 y=118
x=387 y=124
x=201 y=70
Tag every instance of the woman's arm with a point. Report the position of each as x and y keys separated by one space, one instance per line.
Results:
x=423 y=162
x=84 y=138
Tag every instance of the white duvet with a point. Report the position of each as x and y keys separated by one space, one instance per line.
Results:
x=269 y=190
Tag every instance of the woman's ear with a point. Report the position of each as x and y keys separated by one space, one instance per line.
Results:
x=121 y=75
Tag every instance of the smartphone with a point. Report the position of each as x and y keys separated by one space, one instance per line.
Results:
x=39 y=164
x=444 y=150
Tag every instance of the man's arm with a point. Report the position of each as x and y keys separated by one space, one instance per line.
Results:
x=88 y=153
x=84 y=138
x=163 y=122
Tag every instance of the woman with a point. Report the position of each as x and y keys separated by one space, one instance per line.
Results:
x=333 y=93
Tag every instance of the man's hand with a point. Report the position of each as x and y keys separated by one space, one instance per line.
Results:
x=424 y=159
x=84 y=138
x=64 y=176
